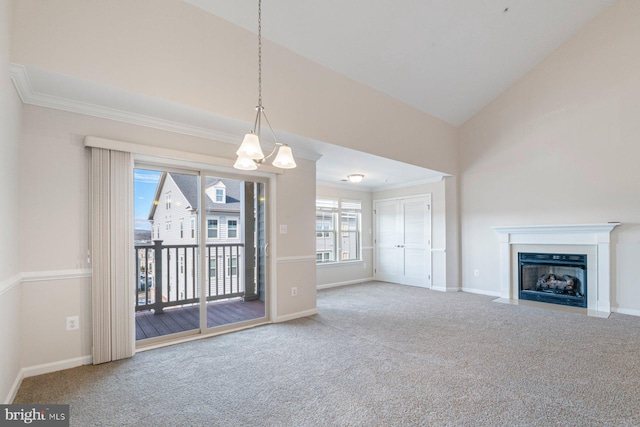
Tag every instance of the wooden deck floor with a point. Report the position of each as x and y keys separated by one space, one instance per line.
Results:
x=179 y=319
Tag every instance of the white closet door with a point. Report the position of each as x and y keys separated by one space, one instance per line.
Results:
x=415 y=234
x=388 y=252
x=403 y=238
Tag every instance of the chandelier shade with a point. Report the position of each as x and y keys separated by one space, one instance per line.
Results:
x=284 y=159
x=250 y=147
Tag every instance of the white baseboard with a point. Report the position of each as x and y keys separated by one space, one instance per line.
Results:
x=481 y=292
x=444 y=289
x=14 y=388
x=628 y=311
x=45 y=368
x=297 y=315
x=348 y=282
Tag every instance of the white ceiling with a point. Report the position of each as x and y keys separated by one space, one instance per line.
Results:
x=448 y=58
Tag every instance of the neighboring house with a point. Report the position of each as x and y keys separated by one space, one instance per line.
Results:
x=174 y=219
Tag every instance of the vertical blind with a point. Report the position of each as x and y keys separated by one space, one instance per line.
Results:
x=112 y=255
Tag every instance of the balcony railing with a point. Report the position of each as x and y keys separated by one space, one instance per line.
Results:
x=167 y=275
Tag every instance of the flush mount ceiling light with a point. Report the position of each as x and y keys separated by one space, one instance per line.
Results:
x=250 y=153
x=355 y=177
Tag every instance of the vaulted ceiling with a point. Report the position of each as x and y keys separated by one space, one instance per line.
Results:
x=447 y=58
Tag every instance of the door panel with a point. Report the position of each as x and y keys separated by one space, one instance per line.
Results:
x=403 y=235
x=388 y=251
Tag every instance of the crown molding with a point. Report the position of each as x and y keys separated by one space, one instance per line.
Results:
x=20 y=78
x=19 y=74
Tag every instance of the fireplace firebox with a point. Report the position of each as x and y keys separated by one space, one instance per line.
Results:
x=553 y=278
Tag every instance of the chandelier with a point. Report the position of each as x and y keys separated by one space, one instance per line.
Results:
x=250 y=154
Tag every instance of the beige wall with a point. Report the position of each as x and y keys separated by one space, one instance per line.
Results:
x=349 y=272
x=54 y=209
x=295 y=250
x=10 y=292
x=171 y=50
x=561 y=147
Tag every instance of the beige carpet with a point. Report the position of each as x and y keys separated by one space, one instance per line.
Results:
x=377 y=354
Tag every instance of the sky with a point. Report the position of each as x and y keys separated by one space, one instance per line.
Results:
x=145 y=183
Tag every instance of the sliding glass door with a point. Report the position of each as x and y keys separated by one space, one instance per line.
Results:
x=232 y=221
x=200 y=249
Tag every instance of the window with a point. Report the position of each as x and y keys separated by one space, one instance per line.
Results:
x=232 y=266
x=167 y=226
x=219 y=195
x=232 y=229
x=158 y=232
x=212 y=268
x=193 y=228
x=181 y=264
x=182 y=228
x=350 y=214
x=167 y=201
x=337 y=230
x=212 y=228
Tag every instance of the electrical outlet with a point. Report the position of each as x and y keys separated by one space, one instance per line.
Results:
x=283 y=228
x=294 y=291
x=73 y=323
x=476 y=273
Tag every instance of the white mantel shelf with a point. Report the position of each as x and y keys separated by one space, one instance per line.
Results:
x=546 y=229
x=597 y=235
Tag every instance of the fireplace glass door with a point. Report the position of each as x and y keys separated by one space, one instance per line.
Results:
x=553 y=278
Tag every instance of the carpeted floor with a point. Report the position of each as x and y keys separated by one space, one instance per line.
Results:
x=377 y=354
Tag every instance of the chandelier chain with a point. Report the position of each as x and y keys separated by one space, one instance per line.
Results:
x=260 y=53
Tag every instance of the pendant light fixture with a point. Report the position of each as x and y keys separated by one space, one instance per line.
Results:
x=250 y=154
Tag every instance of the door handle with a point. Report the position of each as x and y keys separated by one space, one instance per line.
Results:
x=266 y=252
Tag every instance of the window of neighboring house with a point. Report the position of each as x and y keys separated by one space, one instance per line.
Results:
x=323 y=257
x=232 y=266
x=167 y=201
x=232 y=229
x=350 y=218
x=182 y=228
x=158 y=231
x=193 y=228
x=338 y=230
x=168 y=226
x=181 y=264
x=326 y=217
x=212 y=267
x=212 y=228
x=219 y=195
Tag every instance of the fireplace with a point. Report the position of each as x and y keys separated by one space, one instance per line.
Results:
x=591 y=239
x=553 y=278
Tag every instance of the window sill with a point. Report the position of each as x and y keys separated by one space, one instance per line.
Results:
x=338 y=264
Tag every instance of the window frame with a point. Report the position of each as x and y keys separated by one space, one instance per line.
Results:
x=215 y=229
x=229 y=266
x=339 y=211
x=219 y=192
x=235 y=229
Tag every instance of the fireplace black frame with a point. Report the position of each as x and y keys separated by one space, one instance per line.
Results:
x=560 y=260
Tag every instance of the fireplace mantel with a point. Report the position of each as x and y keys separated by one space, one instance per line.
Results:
x=596 y=235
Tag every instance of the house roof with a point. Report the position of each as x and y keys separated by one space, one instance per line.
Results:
x=188 y=186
